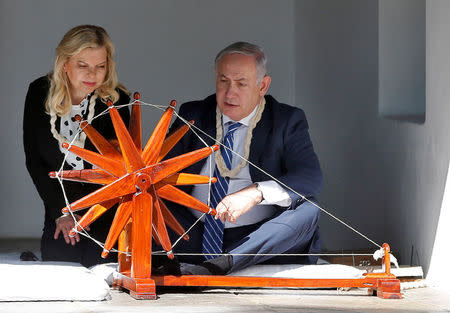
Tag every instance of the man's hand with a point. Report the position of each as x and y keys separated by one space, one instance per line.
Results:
x=234 y=205
x=63 y=225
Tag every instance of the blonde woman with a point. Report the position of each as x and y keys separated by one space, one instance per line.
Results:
x=82 y=80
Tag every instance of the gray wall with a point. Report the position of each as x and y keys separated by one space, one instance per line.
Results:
x=385 y=177
x=165 y=50
x=336 y=83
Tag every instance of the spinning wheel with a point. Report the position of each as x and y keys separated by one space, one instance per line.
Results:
x=137 y=179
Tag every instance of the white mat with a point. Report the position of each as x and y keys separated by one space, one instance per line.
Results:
x=49 y=281
x=325 y=271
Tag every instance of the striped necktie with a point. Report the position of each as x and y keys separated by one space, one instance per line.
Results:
x=213 y=232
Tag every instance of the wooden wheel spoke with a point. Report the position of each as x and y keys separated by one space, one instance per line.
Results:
x=171 y=166
x=101 y=144
x=109 y=165
x=176 y=195
x=172 y=139
x=120 y=187
x=131 y=155
x=155 y=236
x=125 y=247
x=171 y=221
x=95 y=176
x=159 y=226
x=154 y=143
x=93 y=214
x=121 y=218
x=135 y=127
x=187 y=179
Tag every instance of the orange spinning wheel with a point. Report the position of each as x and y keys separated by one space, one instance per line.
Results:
x=137 y=179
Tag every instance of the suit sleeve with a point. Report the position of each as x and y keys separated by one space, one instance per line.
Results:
x=300 y=162
x=33 y=122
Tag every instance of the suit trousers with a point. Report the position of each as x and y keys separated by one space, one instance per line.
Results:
x=86 y=252
x=287 y=231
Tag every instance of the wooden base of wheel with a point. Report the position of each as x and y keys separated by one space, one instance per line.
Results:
x=140 y=289
x=145 y=289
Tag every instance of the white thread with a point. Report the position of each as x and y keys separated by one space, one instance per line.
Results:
x=269 y=254
x=187 y=231
x=284 y=185
x=194 y=128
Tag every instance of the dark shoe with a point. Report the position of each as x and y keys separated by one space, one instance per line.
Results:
x=162 y=265
x=217 y=266
x=28 y=256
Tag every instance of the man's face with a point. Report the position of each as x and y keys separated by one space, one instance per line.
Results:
x=237 y=91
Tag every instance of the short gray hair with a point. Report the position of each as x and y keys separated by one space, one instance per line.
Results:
x=249 y=49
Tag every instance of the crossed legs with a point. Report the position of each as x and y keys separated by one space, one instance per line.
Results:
x=289 y=231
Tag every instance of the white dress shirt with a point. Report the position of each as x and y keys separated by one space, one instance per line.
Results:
x=273 y=193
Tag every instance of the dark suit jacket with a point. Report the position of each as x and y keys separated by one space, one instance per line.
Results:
x=281 y=145
x=42 y=152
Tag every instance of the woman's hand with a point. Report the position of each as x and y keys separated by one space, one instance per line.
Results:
x=64 y=225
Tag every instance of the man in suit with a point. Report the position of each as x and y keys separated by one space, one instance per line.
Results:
x=257 y=216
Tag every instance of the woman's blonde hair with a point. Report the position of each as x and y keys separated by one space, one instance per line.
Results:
x=73 y=42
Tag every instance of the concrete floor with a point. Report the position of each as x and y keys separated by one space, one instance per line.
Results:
x=248 y=300
x=238 y=300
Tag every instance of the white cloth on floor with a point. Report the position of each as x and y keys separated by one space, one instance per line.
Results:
x=49 y=281
x=325 y=271
x=107 y=271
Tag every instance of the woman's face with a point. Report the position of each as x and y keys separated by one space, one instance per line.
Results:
x=86 y=72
